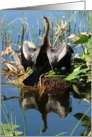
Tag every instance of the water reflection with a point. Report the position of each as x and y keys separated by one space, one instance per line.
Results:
x=57 y=103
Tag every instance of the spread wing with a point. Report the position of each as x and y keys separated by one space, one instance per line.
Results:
x=56 y=54
x=29 y=55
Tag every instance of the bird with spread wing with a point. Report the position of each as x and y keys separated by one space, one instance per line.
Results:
x=44 y=58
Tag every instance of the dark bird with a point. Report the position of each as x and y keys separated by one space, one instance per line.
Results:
x=44 y=57
x=36 y=58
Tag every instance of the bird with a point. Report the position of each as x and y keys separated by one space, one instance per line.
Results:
x=60 y=57
x=44 y=58
x=36 y=58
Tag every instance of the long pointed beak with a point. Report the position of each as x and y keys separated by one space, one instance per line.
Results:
x=42 y=16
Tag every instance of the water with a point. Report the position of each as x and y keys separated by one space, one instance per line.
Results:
x=60 y=108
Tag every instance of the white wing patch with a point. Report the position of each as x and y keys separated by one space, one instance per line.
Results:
x=25 y=50
x=62 y=54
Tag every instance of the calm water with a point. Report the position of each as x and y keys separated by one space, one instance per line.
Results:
x=60 y=108
x=60 y=111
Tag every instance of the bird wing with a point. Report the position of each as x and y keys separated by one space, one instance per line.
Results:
x=56 y=54
x=30 y=53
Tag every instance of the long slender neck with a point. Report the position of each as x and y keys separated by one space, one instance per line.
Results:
x=46 y=41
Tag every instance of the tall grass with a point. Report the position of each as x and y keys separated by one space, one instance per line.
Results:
x=55 y=24
x=9 y=129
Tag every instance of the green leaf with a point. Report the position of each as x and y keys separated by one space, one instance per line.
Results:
x=76 y=69
x=88 y=74
x=87 y=57
x=60 y=76
x=7 y=126
x=75 y=73
x=89 y=50
x=83 y=39
x=8 y=132
x=82 y=36
x=14 y=133
x=75 y=88
x=89 y=46
x=31 y=44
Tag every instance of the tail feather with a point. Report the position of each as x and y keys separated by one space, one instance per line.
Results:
x=32 y=79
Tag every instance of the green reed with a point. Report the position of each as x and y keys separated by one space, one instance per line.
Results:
x=22 y=29
x=9 y=128
x=79 y=121
x=8 y=28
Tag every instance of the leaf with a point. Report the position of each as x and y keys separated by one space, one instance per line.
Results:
x=80 y=115
x=87 y=57
x=76 y=69
x=88 y=74
x=60 y=76
x=75 y=73
x=83 y=39
x=89 y=43
x=89 y=50
x=7 y=126
x=14 y=133
x=79 y=60
x=8 y=132
x=83 y=36
x=31 y=44
x=75 y=88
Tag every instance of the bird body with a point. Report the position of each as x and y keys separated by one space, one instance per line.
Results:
x=44 y=57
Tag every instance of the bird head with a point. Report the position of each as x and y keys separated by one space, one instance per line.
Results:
x=45 y=19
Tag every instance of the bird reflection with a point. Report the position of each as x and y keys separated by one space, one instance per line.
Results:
x=59 y=104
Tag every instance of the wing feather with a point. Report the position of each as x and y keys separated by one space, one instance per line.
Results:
x=56 y=54
x=30 y=54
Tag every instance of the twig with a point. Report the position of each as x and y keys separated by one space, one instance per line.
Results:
x=74 y=47
x=63 y=28
x=60 y=43
x=12 y=62
x=8 y=98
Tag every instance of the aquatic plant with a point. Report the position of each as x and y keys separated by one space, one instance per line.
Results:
x=9 y=129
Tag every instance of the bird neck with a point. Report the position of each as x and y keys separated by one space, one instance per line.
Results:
x=46 y=41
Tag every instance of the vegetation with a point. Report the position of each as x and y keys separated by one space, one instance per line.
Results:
x=9 y=129
x=60 y=30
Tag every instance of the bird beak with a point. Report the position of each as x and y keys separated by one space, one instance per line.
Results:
x=42 y=16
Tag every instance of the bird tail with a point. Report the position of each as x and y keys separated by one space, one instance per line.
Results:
x=32 y=79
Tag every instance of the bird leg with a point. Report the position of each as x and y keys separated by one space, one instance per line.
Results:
x=40 y=79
